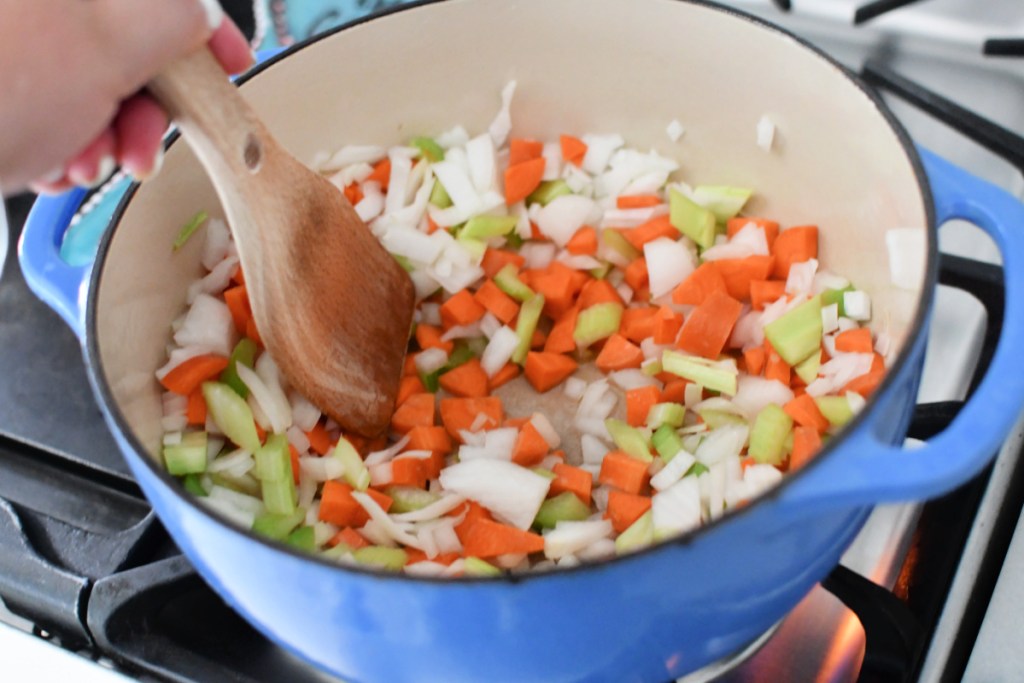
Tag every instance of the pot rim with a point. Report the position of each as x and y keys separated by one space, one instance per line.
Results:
x=925 y=302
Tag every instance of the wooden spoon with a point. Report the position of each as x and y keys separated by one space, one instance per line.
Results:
x=333 y=308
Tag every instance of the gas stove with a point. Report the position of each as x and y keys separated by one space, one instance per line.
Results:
x=93 y=589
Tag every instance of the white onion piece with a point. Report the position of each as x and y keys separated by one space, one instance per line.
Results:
x=401 y=167
x=829 y=318
x=385 y=522
x=760 y=478
x=754 y=393
x=538 y=254
x=673 y=471
x=267 y=371
x=720 y=443
x=429 y=360
x=386 y=454
x=218 y=244
x=668 y=263
x=599 y=151
x=502 y=123
x=458 y=185
x=305 y=415
x=857 y=305
x=355 y=154
x=547 y=430
x=765 y=133
x=580 y=262
x=207 y=325
x=216 y=281
x=321 y=469
x=675 y=130
x=749 y=241
x=801 y=277
x=471 y=331
x=907 y=250
x=632 y=218
x=512 y=493
x=593 y=449
x=823 y=280
x=412 y=244
x=372 y=203
x=552 y=154
x=455 y=137
x=563 y=216
x=632 y=379
x=231 y=509
x=571 y=537
x=483 y=167
x=298 y=439
x=748 y=331
x=574 y=388
x=440 y=507
x=499 y=350
x=177 y=357
x=353 y=173
x=264 y=398
x=677 y=509
x=236 y=463
x=489 y=325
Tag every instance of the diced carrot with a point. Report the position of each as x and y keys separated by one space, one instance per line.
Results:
x=674 y=391
x=252 y=332
x=521 y=149
x=350 y=537
x=624 y=472
x=636 y=275
x=293 y=456
x=747 y=462
x=516 y=422
x=739 y=273
x=597 y=292
x=573 y=149
x=429 y=337
x=496 y=259
x=805 y=413
x=771 y=228
x=432 y=226
x=474 y=512
x=261 y=433
x=319 y=439
x=189 y=374
x=763 y=292
x=754 y=359
x=806 y=442
x=237 y=299
x=667 y=324
x=877 y=363
x=468 y=380
x=546 y=370
x=522 y=179
x=625 y=508
x=538 y=339
x=414 y=555
x=569 y=478
x=659 y=226
x=507 y=373
x=857 y=340
x=461 y=309
x=638 y=323
x=707 y=329
x=560 y=339
x=583 y=242
x=699 y=285
x=637 y=201
x=434 y=439
x=239 y=277
x=774 y=367
x=353 y=193
x=461 y=414
x=555 y=283
x=416 y=411
x=409 y=366
x=196 y=410
x=408 y=472
x=866 y=384
x=530 y=447
x=337 y=505
x=487 y=538
x=794 y=245
x=381 y=174
x=619 y=353
x=639 y=402
x=498 y=303
x=410 y=384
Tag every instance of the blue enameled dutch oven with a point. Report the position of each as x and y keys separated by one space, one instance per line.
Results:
x=839 y=160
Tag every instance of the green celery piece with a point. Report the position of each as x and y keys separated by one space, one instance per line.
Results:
x=232 y=414
x=629 y=440
x=547 y=474
x=508 y=281
x=691 y=219
x=836 y=409
x=639 y=535
x=247 y=484
x=671 y=414
x=406 y=264
x=697 y=469
x=476 y=345
x=565 y=507
x=429 y=148
x=302 y=538
x=273 y=459
x=392 y=559
x=439 y=196
x=356 y=473
x=600 y=272
x=189 y=229
x=474 y=566
x=193 y=484
x=808 y=369
x=278 y=527
x=279 y=496
x=244 y=353
x=484 y=227
x=666 y=442
x=721 y=200
x=513 y=240
x=409 y=498
x=460 y=354
x=187 y=457
x=707 y=373
x=691 y=442
x=651 y=369
x=432 y=381
x=797 y=335
x=476 y=248
x=615 y=240
x=596 y=323
x=548 y=191
x=768 y=435
x=338 y=551
x=835 y=296
x=529 y=316
x=718 y=418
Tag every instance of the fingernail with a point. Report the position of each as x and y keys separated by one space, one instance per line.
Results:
x=214 y=13
x=104 y=168
x=158 y=163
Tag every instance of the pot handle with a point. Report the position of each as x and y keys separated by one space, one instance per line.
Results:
x=875 y=471
x=58 y=284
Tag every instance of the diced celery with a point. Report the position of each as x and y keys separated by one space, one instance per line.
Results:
x=808 y=369
x=601 y=272
x=459 y=355
x=529 y=316
x=565 y=507
x=691 y=219
x=356 y=473
x=474 y=247
x=429 y=148
x=836 y=409
x=409 y=498
x=835 y=296
x=707 y=373
x=273 y=459
x=697 y=469
x=652 y=368
x=671 y=414
x=302 y=538
x=405 y=263
x=797 y=334
x=278 y=526
x=666 y=442
x=338 y=551
x=547 y=474
x=194 y=484
x=187 y=457
x=432 y=382
x=548 y=191
x=629 y=440
x=718 y=418
x=279 y=496
x=483 y=227
x=598 y=322
x=189 y=229
x=615 y=240
x=247 y=484
x=639 y=535
x=513 y=240
x=439 y=196
x=768 y=435
x=244 y=353
x=723 y=201
x=232 y=414
x=392 y=559
x=508 y=281
x=474 y=566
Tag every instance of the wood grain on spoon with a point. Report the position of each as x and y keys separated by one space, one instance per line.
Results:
x=333 y=308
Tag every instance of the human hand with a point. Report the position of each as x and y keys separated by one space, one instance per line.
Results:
x=74 y=101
